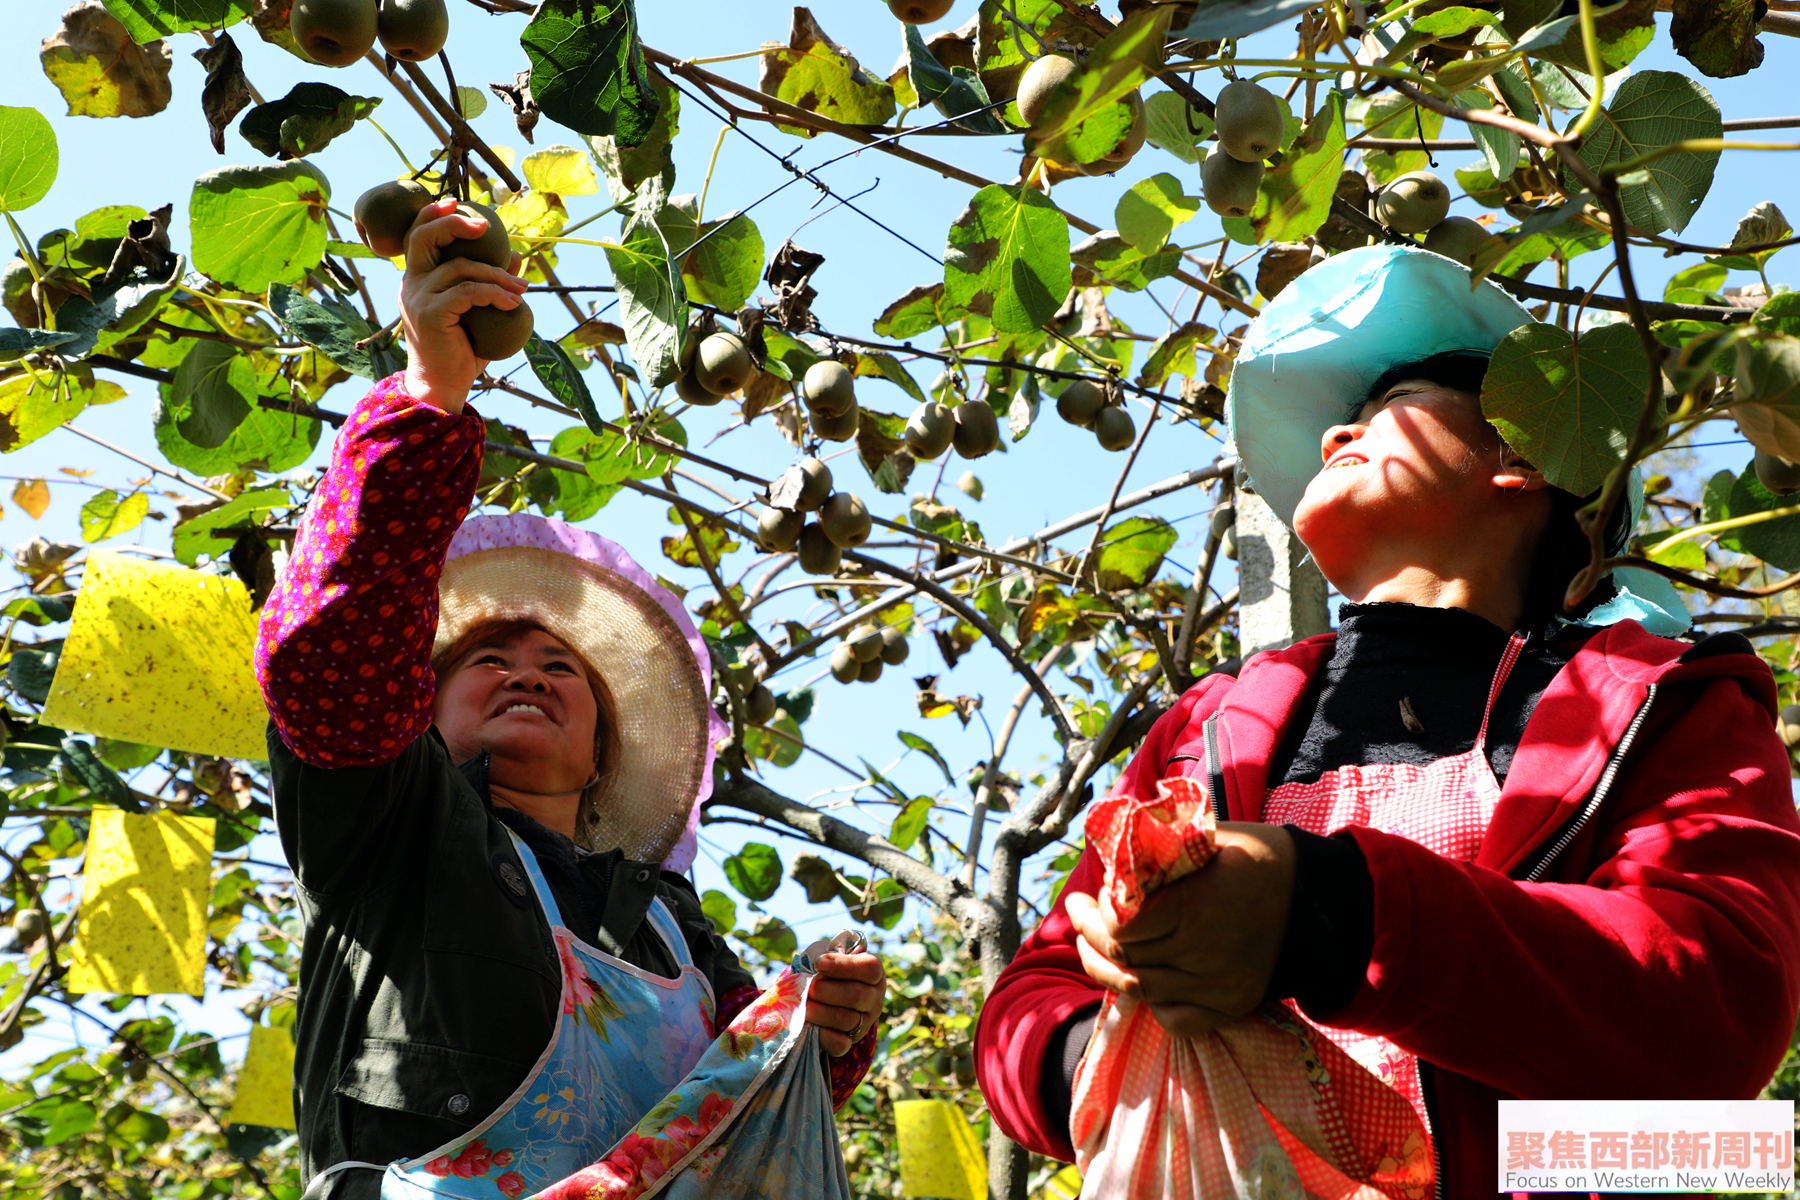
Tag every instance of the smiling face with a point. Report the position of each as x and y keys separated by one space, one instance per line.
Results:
x=524 y=697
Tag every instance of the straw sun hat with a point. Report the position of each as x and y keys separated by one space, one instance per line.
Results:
x=588 y=593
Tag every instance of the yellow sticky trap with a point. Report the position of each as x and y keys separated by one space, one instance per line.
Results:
x=160 y=655
x=142 y=928
x=1064 y=1185
x=939 y=1155
x=265 y=1084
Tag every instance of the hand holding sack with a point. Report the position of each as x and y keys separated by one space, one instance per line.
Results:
x=1267 y=1106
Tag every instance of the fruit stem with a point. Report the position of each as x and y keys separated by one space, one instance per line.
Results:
x=700 y=209
x=410 y=170
x=1590 y=40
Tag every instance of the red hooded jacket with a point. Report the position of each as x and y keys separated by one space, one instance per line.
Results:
x=1630 y=927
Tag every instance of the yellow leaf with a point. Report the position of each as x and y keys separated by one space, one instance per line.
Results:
x=142 y=929
x=265 y=1083
x=532 y=215
x=77 y=472
x=939 y=1155
x=560 y=169
x=160 y=655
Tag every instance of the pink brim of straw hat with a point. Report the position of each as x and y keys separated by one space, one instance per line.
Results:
x=586 y=591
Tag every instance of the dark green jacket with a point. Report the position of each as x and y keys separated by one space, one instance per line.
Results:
x=428 y=978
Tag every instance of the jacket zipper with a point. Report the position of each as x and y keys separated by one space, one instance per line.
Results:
x=1428 y=1093
x=1215 y=772
x=1601 y=789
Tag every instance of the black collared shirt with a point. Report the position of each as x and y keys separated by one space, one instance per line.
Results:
x=429 y=983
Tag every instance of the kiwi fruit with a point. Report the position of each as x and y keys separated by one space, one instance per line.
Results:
x=1133 y=141
x=969 y=484
x=334 y=33
x=894 y=646
x=1228 y=544
x=1788 y=725
x=496 y=333
x=864 y=642
x=929 y=430
x=918 y=12
x=1230 y=184
x=1041 y=79
x=1114 y=429
x=1458 y=239
x=723 y=364
x=491 y=246
x=690 y=389
x=778 y=529
x=1777 y=473
x=1223 y=518
x=870 y=671
x=845 y=666
x=759 y=705
x=1413 y=203
x=413 y=30
x=815 y=485
x=977 y=432
x=845 y=520
x=828 y=388
x=819 y=555
x=385 y=214
x=837 y=429
x=30 y=925
x=1080 y=402
x=1248 y=121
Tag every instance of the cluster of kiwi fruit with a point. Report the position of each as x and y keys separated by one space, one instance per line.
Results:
x=1083 y=402
x=970 y=427
x=865 y=650
x=828 y=389
x=385 y=214
x=843 y=522
x=1040 y=81
x=335 y=33
x=1224 y=530
x=714 y=367
x=1419 y=202
x=1249 y=124
x=759 y=701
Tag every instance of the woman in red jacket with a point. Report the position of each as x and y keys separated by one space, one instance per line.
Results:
x=1491 y=852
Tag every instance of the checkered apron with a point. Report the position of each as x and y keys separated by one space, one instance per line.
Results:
x=1444 y=806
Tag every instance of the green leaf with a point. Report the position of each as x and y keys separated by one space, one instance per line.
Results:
x=720 y=909
x=652 y=296
x=101 y=72
x=587 y=68
x=921 y=308
x=68 y=1119
x=1768 y=393
x=886 y=366
x=305 y=120
x=755 y=871
x=772 y=938
x=1776 y=542
x=214 y=531
x=1499 y=146
x=1569 y=407
x=1150 y=210
x=1086 y=117
x=1234 y=18
x=1166 y=118
x=557 y=372
x=884 y=908
x=1717 y=36
x=1112 y=260
x=817 y=876
x=1295 y=197
x=27 y=157
x=726 y=264
x=125 y=756
x=332 y=328
x=31 y=407
x=928 y=750
x=1131 y=552
x=97 y=777
x=218 y=385
x=1008 y=257
x=1390 y=115
x=106 y=515
x=953 y=92
x=627 y=166
x=253 y=226
x=1652 y=109
x=1173 y=354
x=560 y=169
x=267 y=440
x=31 y=670
x=147 y=20
x=909 y=822
x=1008 y=34
x=760 y=742
x=16 y=342
x=816 y=74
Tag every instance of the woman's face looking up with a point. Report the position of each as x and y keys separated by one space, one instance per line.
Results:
x=526 y=700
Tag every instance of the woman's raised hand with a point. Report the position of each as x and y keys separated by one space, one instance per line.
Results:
x=435 y=293
x=845 y=1001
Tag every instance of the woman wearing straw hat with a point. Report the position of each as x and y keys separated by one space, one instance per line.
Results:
x=1491 y=851
x=490 y=740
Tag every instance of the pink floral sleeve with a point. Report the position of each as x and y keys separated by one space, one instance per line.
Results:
x=343 y=653
x=846 y=1071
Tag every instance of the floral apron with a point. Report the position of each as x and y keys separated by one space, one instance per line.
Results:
x=1444 y=806
x=635 y=1095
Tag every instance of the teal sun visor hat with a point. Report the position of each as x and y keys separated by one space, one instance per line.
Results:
x=1310 y=359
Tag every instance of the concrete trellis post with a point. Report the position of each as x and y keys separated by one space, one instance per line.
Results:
x=1282 y=594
